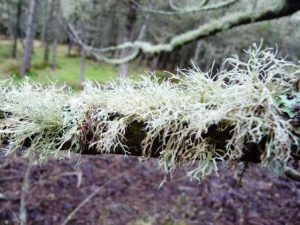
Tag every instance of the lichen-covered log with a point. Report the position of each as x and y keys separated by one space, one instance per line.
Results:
x=135 y=134
x=248 y=112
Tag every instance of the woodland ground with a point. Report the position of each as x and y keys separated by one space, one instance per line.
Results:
x=135 y=198
x=68 y=68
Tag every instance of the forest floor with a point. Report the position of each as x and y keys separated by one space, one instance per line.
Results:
x=127 y=192
x=68 y=67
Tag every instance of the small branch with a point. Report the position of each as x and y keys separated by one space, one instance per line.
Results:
x=90 y=196
x=100 y=57
x=7 y=198
x=245 y=166
x=179 y=11
x=292 y=174
x=24 y=192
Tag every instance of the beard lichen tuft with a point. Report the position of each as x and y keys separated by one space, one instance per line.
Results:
x=199 y=119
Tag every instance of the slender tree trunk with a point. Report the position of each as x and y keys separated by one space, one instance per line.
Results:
x=17 y=30
x=82 y=66
x=130 y=25
x=49 y=31
x=114 y=39
x=70 y=46
x=46 y=52
x=195 y=58
x=153 y=63
x=10 y=28
x=55 y=33
x=54 y=50
x=164 y=60
x=28 y=38
x=123 y=69
x=182 y=61
x=44 y=25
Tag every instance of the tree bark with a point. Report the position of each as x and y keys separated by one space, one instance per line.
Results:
x=28 y=38
x=49 y=31
x=55 y=33
x=44 y=25
x=135 y=134
x=54 y=51
x=17 y=31
x=129 y=31
x=82 y=66
x=70 y=46
x=197 y=53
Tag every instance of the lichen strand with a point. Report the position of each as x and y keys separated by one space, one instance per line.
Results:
x=200 y=119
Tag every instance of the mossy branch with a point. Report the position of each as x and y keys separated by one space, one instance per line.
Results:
x=279 y=9
x=249 y=112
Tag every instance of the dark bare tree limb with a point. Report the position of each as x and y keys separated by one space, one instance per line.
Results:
x=292 y=173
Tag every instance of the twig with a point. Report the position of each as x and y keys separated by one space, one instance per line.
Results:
x=8 y=198
x=90 y=196
x=292 y=173
x=244 y=168
x=24 y=192
x=78 y=174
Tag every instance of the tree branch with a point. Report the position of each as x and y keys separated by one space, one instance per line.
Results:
x=135 y=134
x=181 y=11
x=281 y=9
x=292 y=173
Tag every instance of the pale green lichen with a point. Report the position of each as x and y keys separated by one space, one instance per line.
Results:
x=35 y=114
x=243 y=98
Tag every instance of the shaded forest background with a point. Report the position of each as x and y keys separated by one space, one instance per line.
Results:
x=126 y=191
x=57 y=55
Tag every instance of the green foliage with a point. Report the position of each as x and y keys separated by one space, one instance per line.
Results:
x=289 y=104
x=178 y=112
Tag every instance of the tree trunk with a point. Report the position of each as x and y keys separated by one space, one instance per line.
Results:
x=153 y=63
x=129 y=31
x=28 y=38
x=49 y=31
x=44 y=25
x=195 y=58
x=82 y=66
x=55 y=33
x=17 y=31
x=10 y=28
x=46 y=52
x=54 y=51
x=70 y=46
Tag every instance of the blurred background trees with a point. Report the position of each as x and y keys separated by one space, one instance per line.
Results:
x=70 y=40
x=101 y=24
